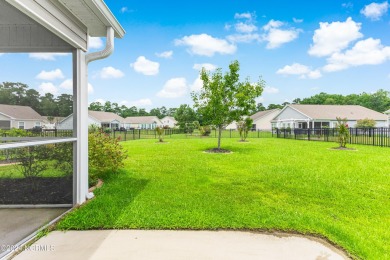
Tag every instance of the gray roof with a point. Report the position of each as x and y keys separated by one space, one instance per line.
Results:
x=170 y=118
x=20 y=112
x=351 y=112
x=263 y=113
x=142 y=120
x=105 y=116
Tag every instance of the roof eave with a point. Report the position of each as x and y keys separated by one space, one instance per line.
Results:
x=109 y=18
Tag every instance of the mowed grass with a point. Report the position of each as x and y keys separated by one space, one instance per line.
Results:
x=266 y=184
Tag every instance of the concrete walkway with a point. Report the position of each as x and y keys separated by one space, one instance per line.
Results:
x=150 y=244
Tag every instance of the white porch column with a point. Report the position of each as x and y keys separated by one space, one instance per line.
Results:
x=80 y=125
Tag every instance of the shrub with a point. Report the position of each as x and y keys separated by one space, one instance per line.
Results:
x=366 y=123
x=107 y=130
x=160 y=132
x=244 y=126
x=343 y=131
x=105 y=154
x=205 y=130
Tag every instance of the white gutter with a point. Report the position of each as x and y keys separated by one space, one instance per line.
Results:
x=103 y=53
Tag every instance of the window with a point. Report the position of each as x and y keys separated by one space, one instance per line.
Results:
x=37 y=123
x=21 y=125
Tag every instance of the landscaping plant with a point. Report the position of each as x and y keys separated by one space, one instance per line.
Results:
x=160 y=132
x=224 y=99
x=343 y=131
x=105 y=154
x=243 y=128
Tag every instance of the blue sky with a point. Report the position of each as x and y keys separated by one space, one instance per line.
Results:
x=300 y=48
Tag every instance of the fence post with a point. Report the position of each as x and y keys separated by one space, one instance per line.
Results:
x=114 y=133
x=125 y=134
x=308 y=134
x=258 y=133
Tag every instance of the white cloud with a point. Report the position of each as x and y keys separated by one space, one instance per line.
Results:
x=227 y=27
x=277 y=37
x=375 y=11
x=174 y=88
x=47 y=56
x=143 y=102
x=67 y=84
x=296 y=20
x=300 y=70
x=197 y=85
x=245 y=27
x=244 y=37
x=207 y=66
x=206 y=45
x=243 y=16
x=271 y=90
x=48 y=87
x=50 y=75
x=165 y=54
x=348 y=5
x=365 y=52
x=334 y=37
x=101 y=101
x=110 y=73
x=95 y=43
x=124 y=9
x=145 y=66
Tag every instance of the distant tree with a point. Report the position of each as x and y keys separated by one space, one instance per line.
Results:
x=32 y=99
x=185 y=115
x=366 y=123
x=171 y=112
x=296 y=101
x=142 y=112
x=96 y=106
x=107 y=107
x=224 y=99
x=155 y=112
x=64 y=104
x=48 y=105
x=274 y=106
x=259 y=107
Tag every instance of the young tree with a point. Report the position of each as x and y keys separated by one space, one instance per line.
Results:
x=184 y=116
x=224 y=99
x=160 y=132
x=343 y=131
x=243 y=127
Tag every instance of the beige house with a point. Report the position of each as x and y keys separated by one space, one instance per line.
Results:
x=261 y=120
x=142 y=122
x=22 y=117
x=100 y=118
x=319 y=116
x=168 y=121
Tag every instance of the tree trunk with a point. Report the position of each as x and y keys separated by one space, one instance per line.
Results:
x=219 y=136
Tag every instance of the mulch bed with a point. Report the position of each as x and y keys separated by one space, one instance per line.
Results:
x=54 y=190
x=216 y=150
x=343 y=148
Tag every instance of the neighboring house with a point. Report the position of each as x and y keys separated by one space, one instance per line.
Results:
x=319 y=116
x=169 y=121
x=387 y=112
x=261 y=120
x=141 y=122
x=22 y=117
x=100 y=118
x=52 y=124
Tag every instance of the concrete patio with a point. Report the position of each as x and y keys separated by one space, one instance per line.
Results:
x=154 y=244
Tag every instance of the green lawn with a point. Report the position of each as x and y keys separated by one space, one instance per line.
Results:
x=266 y=184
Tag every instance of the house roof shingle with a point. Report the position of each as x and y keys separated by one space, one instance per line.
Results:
x=351 y=112
x=20 y=112
x=262 y=113
x=105 y=116
x=142 y=120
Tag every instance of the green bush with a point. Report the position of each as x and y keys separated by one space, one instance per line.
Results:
x=205 y=130
x=105 y=155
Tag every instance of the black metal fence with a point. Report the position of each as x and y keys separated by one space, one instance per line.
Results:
x=183 y=133
x=368 y=136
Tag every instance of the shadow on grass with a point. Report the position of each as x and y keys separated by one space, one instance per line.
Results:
x=111 y=200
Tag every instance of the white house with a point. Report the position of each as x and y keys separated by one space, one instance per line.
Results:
x=261 y=120
x=142 y=122
x=319 y=116
x=168 y=121
x=22 y=117
x=100 y=118
x=53 y=123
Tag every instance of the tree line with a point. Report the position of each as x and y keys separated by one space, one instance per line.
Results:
x=12 y=93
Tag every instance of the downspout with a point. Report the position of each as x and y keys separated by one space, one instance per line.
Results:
x=103 y=53
x=107 y=51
